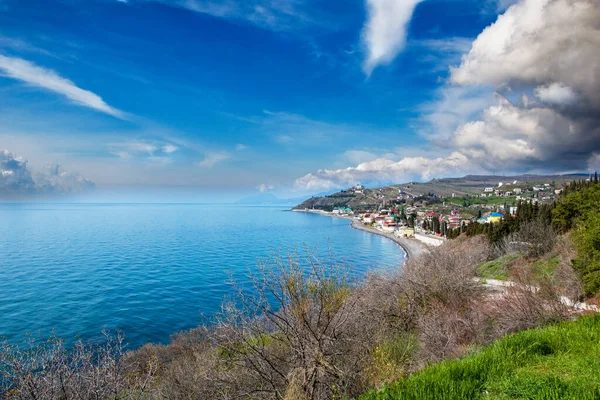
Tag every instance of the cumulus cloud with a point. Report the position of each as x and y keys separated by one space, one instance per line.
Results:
x=594 y=162
x=15 y=177
x=552 y=46
x=536 y=137
x=541 y=42
x=548 y=48
x=16 y=181
x=555 y=93
x=384 y=33
x=34 y=75
x=263 y=187
x=383 y=170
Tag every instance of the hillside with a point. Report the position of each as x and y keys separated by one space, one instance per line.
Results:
x=470 y=185
x=555 y=362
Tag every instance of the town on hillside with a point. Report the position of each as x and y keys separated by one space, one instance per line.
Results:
x=440 y=209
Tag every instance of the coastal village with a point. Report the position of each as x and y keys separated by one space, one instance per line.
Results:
x=430 y=217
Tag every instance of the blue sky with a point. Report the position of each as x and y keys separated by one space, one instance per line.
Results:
x=211 y=100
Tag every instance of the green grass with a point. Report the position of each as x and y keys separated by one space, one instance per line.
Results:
x=498 y=268
x=556 y=362
x=545 y=269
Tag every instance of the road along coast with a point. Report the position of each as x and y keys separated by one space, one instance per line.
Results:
x=412 y=247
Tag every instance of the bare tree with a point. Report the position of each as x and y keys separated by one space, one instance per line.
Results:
x=48 y=370
x=296 y=331
x=534 y=239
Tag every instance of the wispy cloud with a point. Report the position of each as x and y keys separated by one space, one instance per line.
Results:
x=276 y=15
x=48 y=79
x=151 y=150
x=21 y=46
x=384 y=33
x=211 y=159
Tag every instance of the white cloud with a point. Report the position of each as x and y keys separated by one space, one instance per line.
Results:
x=538 y=136
x=240 y=147
x=384 y=33
x=15 y=178
x=263 y=187
x=17 y=182
x=548 y=47
x=454 y=106
x=539 y=42
x=169 y=148
x=276 y=15
x=142 y=148
x=34 y=75
x=383 y=171
x=594 y=162
x=211 y=159
x=556 y=93
x=54 y=180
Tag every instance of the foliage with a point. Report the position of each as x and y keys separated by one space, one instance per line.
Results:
x=587 y=262
x=498 y=268
x=304 y=329
x=555 y=362
x=580 y=209
x=577 y=201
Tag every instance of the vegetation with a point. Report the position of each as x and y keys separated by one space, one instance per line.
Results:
x=554 y=362
x=305 y=329
x=579 y=209
x=302 y=330
x=498 y=268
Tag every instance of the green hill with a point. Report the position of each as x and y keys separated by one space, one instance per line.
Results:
x=470 y=185
x=556 y=362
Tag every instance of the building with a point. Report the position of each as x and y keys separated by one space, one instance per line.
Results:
x=495 y=217
x=405 y=231
x=488 y=190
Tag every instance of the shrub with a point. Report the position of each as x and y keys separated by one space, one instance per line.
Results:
x=47 y=370
x=587 y=240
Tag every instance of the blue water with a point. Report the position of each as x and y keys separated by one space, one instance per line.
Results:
x=149 y=270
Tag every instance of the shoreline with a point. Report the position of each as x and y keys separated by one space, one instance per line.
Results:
x=412 y=248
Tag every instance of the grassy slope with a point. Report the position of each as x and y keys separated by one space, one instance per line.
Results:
x=556 y=362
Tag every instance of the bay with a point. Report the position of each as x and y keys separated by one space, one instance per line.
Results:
x=150 y=270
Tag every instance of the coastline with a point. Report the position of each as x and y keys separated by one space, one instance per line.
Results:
x=412 y=248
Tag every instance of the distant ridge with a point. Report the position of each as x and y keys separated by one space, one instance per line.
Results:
x=444 y=187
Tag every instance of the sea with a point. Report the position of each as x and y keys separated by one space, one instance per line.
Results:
x=151 y=270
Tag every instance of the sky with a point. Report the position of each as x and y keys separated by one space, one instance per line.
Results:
x=206 y=100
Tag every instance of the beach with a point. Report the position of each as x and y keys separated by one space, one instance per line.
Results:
x=412 y=247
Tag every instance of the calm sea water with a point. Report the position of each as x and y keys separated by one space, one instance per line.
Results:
x=148 y=270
